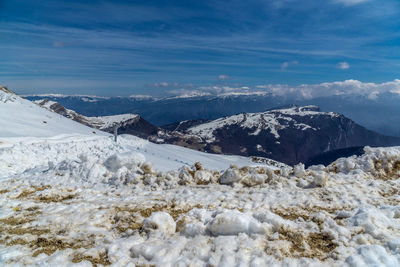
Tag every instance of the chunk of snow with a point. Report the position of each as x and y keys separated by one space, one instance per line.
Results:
x=127 y=159
x=299 y=170
x=160 y=221
x=234 y=222
x=230 y=176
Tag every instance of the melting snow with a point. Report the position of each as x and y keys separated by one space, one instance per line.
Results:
x=81 y=200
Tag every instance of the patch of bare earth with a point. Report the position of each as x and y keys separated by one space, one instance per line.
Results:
x=102 y=259
x=3 y=191
x=32 y=190
x=128 y=217
x=388 y=171
x=38 y=194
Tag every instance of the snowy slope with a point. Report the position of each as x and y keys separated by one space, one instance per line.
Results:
x=20 y=117
x=47 y=151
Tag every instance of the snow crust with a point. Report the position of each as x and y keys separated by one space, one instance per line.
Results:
x=78 y=200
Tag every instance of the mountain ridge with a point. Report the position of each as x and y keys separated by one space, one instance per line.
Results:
x=290 y=134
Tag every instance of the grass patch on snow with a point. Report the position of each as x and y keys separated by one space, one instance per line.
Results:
x=127 y=217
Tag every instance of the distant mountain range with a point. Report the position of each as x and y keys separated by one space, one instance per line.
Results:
x=381 y=115
x=289 y=134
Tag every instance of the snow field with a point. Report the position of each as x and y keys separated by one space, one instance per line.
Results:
x=20 y=117
x=75 y=200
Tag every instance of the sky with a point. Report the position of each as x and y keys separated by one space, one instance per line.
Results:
x=169 y=47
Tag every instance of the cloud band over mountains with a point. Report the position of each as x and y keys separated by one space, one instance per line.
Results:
x=303 y=91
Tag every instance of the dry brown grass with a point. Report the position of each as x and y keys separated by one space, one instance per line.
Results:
x=49 y=245
x=55 y=198
x=313 y=245
x=131 y=217
x=386 y=173
x=3 y=191
x=101 y=260
x=30 y=191
x=125 y=220
x=44 y=198
x=13 y=227
x=294 y=213
x=291 y=214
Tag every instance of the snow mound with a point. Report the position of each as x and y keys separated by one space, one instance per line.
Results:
x=160 y=221
x=233 y=223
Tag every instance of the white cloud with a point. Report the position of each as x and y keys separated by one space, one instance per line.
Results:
x=211 y=90
x=223 y=77
x=373 y=95
x=351 y=2
x=348 y=87
x=286 y=64
x=299 y=92
x=163 y=84
x=343 y=65
x=171 y=85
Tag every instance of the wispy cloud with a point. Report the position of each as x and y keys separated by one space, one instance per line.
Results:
x=351 y=2
x=223 y=77
x=343 y=65
x=300 y=92
x=286 y=64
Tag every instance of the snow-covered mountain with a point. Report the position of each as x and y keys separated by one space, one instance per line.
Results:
x=290 y=135
x=380 y=115
x=84 y=200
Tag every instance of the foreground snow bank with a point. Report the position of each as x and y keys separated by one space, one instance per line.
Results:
x=80 y=200
x=19 y=155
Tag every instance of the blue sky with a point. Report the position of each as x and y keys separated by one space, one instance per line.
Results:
x=158 y=47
